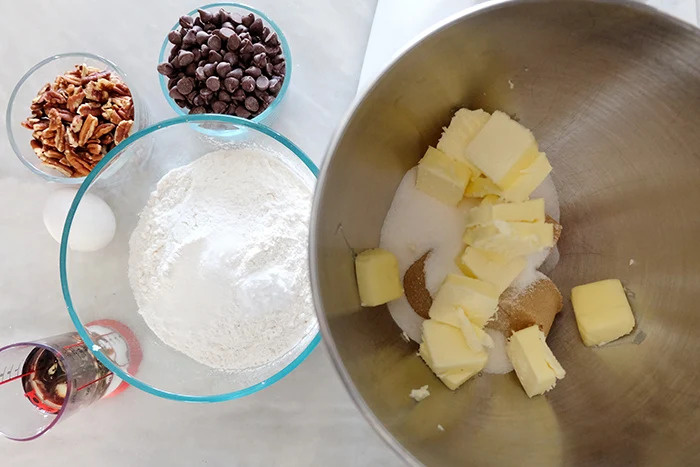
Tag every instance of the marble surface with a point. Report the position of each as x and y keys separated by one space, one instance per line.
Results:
x=305 y=419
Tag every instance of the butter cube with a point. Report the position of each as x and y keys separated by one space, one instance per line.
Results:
x=448 y=350
x=482 y=187
x=475 y=298
x=441 y=177
x=528 y=211
x=451 y=379
x=492 y=268
x=477 y=340
x=534 y=363
x=602 y=311
x=490 y=199
x=502 y=149
x=463 y=127
x=529 y=179
x=511 y=239
x=378 y=279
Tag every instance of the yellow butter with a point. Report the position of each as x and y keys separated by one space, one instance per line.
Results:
x=502 y=149
x=378 y=279
x=534 y=363
x=527 y=211
x=490 y=199
x=477 y=299
x=446 y=352
x=441 y=177
x=491 y=268
x=464 y=126
x=482 y=187
x=477 y=340
x=511 y=239
x=602 y=311
x=529 y=179
x=451 y=379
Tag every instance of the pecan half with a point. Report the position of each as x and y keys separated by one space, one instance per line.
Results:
x=60 y=167
x=123 y=130
x=61 y=138
x=75 y=100
x=102 y=130
x=76 y=124
x=87 y=130
x=88 y=109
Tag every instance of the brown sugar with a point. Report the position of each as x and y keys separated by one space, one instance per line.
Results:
x=557 y=227
x=518 y=309
x=417 y=294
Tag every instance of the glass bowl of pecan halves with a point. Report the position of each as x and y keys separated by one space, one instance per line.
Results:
x=68 y=112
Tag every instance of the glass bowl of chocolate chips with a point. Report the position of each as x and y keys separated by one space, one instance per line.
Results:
x=68 y=111
x=225 y=58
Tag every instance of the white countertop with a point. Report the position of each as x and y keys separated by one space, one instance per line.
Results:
x=305 y=419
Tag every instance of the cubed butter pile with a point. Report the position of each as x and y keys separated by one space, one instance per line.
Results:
x=534 y=363
x=378 y=279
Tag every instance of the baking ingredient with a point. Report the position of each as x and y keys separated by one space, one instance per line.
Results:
x=527 y=211
x=414 y=287
x=218 y=259
x=536 y=366
x=93 y=226
x=521 y=307
x=441 y=177
x=420 y=393
x=502 y=149
x=225 y=63
x=475 y=337
x=464 y=126
x=556 y=228
x=482 y=187
x=490 y=200
x=448 y=349
x=529 y=179
x=491 y=268
x=511 y=238
x=454 y=378
x=602 y=311
x=378 y=279
x=473 y=297
x=498 y=362
x=78 y=118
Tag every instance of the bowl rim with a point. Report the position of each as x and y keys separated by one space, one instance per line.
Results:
x=13 y=98
x=283 y=43
x=89 y=179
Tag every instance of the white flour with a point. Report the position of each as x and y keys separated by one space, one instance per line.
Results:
x=218 y=260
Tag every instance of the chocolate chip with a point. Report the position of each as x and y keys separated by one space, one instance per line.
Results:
x=228 y=25
x=172 y=82
x=272 y=39
x=280 y=68
x=240 y=29
x=224 y=96
x=221 y=16
x=197 y=24
x=189 y=38
x=231 y=84
x=236 y=17
x=213 y=83
x=198 y=100
x=236 y=73
x=258 y=48
x=275 y=85
x=265 y=32
x=214 y=57
x=269 y=70
x=175 y=94
x=246 y=46
x=231 y=58
x=260 y=60
x=185 y=57
x=214 y=42
x=191 y=96
x=248 y=20
x=205 y=16
x=197 y=53
x=253 y=71
x=256 y=27
x=234 y=42
x=199 y=73
x=225 y=33
x=198 y=110
x=223 y=68
x=245 y=58
x=262 y=83
x=231 y=109
x=209 y=69
x=166 y=69
x=278 y=59
x=248 y=84
x=174 y=38
x=219 y=107
x=185 y=85
x=242 y=112
x=272 y=51
x=202 y=37
x=252 y=104
x=191 y=68
x=182 y=103
x=206 y=93
x=186 y=21
x=204 y=50
x=239 y=95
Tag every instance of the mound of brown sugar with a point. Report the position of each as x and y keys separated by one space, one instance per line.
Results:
x=417 y=294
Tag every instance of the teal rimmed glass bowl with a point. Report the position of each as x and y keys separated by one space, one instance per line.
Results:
x=270 y=114
x=96 y=286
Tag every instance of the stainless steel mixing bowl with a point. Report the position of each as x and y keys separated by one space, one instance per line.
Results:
x=612 y=92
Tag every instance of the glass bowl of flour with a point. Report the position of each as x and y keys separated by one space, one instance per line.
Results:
x=209 y=264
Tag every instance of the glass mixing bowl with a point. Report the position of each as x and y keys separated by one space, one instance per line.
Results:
x=270 y=114
x=96 y=285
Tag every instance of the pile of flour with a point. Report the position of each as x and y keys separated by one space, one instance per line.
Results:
x=218 y=260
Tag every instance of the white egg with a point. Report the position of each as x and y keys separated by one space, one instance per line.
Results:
x=93 y=225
